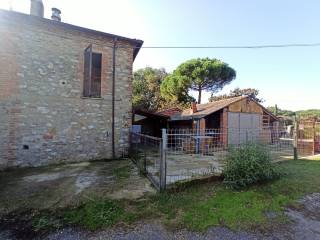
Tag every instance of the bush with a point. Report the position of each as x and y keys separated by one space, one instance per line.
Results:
x=247 y=165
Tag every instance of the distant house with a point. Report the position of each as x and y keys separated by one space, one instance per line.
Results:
x=65 y=91
x=239 y=119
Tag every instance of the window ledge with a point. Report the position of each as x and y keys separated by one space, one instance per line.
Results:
x=93 y=98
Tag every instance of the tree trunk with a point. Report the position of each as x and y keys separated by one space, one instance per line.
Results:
x=199 y=95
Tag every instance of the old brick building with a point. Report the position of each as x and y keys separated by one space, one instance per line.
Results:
x=58 y=102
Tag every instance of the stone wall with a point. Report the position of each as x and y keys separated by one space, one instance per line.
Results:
x=43 y=117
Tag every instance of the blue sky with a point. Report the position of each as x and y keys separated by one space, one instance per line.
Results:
x=289 y=77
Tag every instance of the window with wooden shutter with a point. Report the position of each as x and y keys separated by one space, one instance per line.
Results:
x=92 y=73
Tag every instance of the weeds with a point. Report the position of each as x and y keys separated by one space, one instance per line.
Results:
x=197 y=207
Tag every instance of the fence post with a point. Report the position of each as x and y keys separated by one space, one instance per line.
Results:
x=144 y=167
x=246 y=136
x=314 y=136
x=163 y=164
x=295 y=140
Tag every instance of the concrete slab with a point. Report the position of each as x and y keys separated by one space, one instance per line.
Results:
x=64 y=185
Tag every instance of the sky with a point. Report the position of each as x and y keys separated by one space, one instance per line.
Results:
x=288 y=77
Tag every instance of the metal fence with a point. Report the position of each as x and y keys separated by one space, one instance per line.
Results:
x=308 y=137
x=200 y=153
x=148 y=154
x=184 y=154
x=210 y=141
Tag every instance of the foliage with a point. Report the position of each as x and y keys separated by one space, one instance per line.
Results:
x=249 y=164
x=201 y=74
x=175 y=89
x=232 y=209
x=96 y=214
x=122 y=173
x=201 y=206
x=251 y=92
x=302 y=114
x=309 y=113
x=45 y=222
x=281 y=112
x=146 y=88
x=147 y=94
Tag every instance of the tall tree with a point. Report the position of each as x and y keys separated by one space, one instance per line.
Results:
x=174 y=89
x=146 y=88
x=251 y=92
x=204 y=74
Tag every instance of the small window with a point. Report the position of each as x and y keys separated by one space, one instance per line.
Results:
x=92 y=73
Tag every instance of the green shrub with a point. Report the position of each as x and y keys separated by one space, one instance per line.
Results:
x=247 y=165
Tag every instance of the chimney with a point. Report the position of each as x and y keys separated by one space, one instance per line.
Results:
x=194 y=107
x=36 y=8
x=56 y=14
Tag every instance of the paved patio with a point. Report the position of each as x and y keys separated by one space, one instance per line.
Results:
x=191 y=166
x=64 y=185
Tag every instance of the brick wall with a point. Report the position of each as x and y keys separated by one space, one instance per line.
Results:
x=43 y=118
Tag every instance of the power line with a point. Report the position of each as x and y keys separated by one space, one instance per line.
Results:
x=237 y=47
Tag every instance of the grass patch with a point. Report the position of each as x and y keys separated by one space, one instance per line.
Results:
x=236 y=210
x=201 y=206
x=123 y=172
x=43 y=222
x=96 y=214
x=248 y=208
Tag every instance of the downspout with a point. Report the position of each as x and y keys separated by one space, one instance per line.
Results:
x=113 y=94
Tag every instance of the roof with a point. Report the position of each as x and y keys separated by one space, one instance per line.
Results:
x=150 y=114
x=212 y=107
x=206 y=108
x=29 y=18
x=170 y=111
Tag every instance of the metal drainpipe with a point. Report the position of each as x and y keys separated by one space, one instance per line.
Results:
x=113 y=93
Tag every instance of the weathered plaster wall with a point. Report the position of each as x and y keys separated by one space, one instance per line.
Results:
x=43 y=119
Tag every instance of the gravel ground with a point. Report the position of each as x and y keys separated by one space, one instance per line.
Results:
x=305 y=225
x=151 y=231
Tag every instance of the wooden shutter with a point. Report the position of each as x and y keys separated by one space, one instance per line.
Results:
x=96 y=75
x=87 y=71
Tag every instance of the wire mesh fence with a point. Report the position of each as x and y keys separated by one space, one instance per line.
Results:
x=308 y=137
x=146 y=152
x=185 y=154
x=193 y=153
